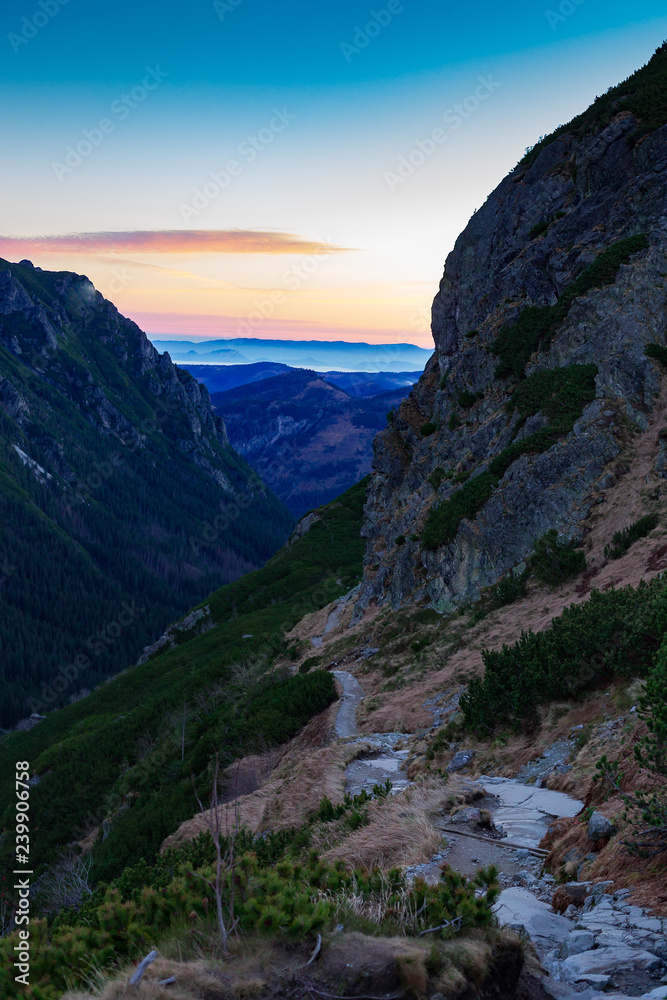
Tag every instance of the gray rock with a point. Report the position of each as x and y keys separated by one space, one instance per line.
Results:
x=606 y=961
x=527 y=880
x=600 y=828
x=577 y=942
x=467 y=815
x=521 y=908
x=658 y=994
x=460 y=760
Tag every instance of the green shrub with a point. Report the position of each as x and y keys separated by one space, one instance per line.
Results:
x=281 y=889
x=622 y=540
x=428 y=428
x=471 y=334
x=461 y=477
x=555 y=562
x=646 y=811
x=508 y=590
x=536 y=325
x=400 y=540
x=443 y=521
x=454 y=421
x=656 y=352
x=539 y=228
x=437 y=478
x=644 y=94
x=467 y=399
x=559 y=393
x=614 y=633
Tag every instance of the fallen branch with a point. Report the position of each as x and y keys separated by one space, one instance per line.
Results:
x=141 y=968
x=318 y=948
x=167 y=982
x=456 y=923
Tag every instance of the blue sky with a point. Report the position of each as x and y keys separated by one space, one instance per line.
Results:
x=332 y=98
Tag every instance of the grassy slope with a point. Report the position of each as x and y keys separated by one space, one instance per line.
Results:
x=92 y=755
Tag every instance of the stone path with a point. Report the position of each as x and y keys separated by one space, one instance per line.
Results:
x=602 y=948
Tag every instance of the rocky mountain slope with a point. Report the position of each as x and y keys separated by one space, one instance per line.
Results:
x=122 y=502
x=501 y=719
x=549 y=301
x=308 y=439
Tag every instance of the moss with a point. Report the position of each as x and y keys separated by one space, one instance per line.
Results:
x=536 y=325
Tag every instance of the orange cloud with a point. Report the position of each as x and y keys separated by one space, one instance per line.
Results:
x=168 y=241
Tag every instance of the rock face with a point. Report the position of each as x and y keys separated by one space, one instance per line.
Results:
x=120 y=498
x=545 y=224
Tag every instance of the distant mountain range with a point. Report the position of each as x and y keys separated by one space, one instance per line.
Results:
x=309 y=439
x=317 y=355
x=221 y=378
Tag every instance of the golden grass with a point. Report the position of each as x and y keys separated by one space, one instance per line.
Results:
x=305 y=771
x=399 y=832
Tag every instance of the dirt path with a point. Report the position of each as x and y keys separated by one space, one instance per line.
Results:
x=609 y=946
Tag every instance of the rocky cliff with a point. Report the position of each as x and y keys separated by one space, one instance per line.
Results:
x=548 y=303
x=118 y=488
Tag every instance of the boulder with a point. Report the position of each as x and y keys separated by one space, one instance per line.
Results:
x=460 y=760
x=576 y=943
x=606 y=961
x=599 y=827
x=520 y=908
x=467 y=815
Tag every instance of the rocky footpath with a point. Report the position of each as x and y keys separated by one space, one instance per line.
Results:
x=591 y=942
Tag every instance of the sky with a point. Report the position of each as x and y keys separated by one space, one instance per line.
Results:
x=300 y=170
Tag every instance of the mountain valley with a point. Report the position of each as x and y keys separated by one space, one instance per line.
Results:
x=420 y=752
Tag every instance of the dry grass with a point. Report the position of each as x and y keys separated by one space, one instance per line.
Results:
x=193 y=980
x=399 y=832
x=309 y=767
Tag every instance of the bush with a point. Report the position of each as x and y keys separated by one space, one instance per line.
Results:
x=555 y=562
x=615 y=633
x=647 y=811
x=276 y=896
x=443 y=521
x=536 y=325
x=622 y=540
x=508 y=590
x=656 y=352
x=559 y=393
x=644 y=94
x=454 y=421
x=437 y=478
x=400 y=540
x=428 y=428
x=467 y=399
x=539 y=228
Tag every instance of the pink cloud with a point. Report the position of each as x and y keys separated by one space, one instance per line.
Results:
x=168 y=241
